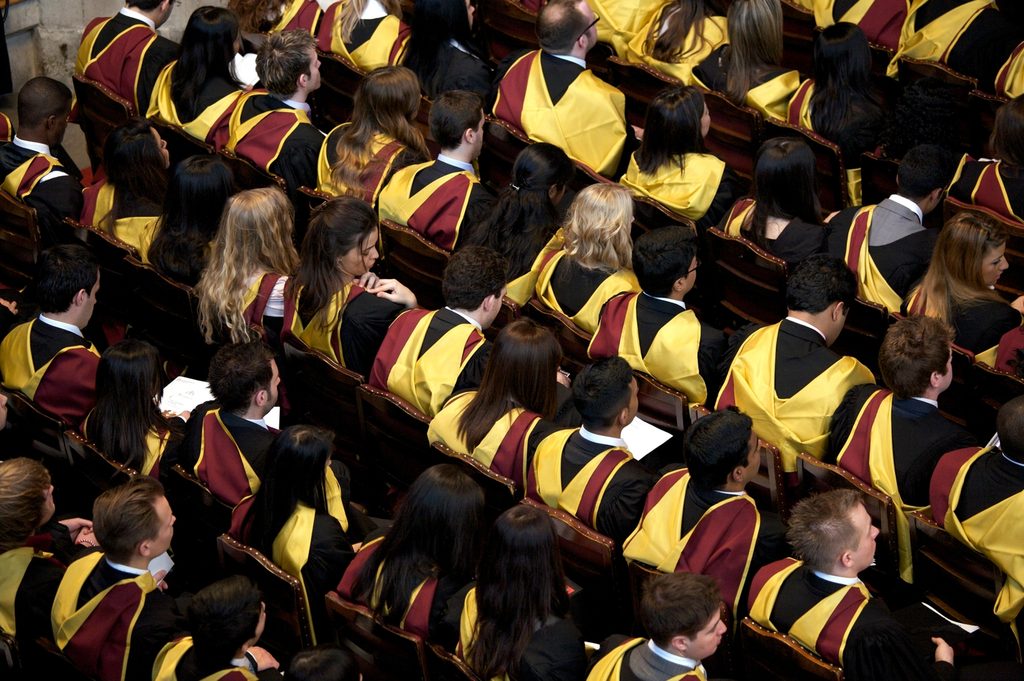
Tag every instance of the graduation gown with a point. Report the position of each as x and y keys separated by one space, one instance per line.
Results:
x=881 y=20
x=621 y=21
x=23 y=172
x=798 y=240
x=715 y=34
x=299 y=15
x=769 y=93
x=216 y=102
x=702 y=190
x=176 y=662
x=388 y=156
x=990 y=184
x=256 y=298
x=54 y=368
x=558 y=102
x=138 y=231
x=28 y=584
x=577 y=292
x=374 y=42
x=156 y=445
x=426 y=356
x=617 y=664
x=6 y=128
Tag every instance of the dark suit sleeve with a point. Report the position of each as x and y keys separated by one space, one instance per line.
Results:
x=555 y=653
x=466 y=72
x=160 y=622
x=843 y=419
x=329 y=554
x=839 y=229
x=733 y=346
x=730 y=189
x=160 y=54
x=473 y=372
x=34 y=599
x=366 y=322
x=713 y=346
x=298 y=160
x=623 y=501
x=478 y=210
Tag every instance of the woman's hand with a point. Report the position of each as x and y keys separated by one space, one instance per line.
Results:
x=77 y=527
x=1018 y=304
x=367 y=280
x=393 y=290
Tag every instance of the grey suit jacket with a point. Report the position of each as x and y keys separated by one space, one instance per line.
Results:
x=649 y=667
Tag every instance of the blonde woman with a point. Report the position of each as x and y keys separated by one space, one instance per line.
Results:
x=242 y=287
x=358 y=157
x=678 y=38
x=594 y=263
x=958 y=287
x=368 y=33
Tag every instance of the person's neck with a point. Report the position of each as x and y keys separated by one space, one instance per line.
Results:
x=299 y=96
x=151 y=14
x=68 y=317
x=460 y=153
x=253 y=413
x=474 y=314
x=611 y=431
x=136 y=561
x=842 y=571
x=733 y=486
x=931 y=394
x=33 y=135
x=817 y=320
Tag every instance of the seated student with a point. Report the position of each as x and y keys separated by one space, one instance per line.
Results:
x=671 y=167
x=198 y=91
x=442 y=51
x=784 y=376
x=31 y=169
x=241 y=290
x=124 y=53
x=408 y=575
x=677 y=38
x=271 y=127
x=959 y=286
x=48 y=359
x=747 y=69
x=428 y=355
x=621 y=21
x=593 y=264
x=270 y=16
x=886 y=245
x=682 y=612
x=700 y=519
x=820 y=601
x=127 y=424
x=654 y=330
x=997 y=184
x=784 y=216
x=134 y=524
x=493 y=424
x=892 y=439
x=514 y=621
x=126 y=203
x=368 y=33
x=226 y=440
x=527 y=215
x=588 y=471
x=443 y=199
x=881 y=20
x=323 y=663
x=552 y=96
x=334 y=304
x=226 y=619
x=359 y=156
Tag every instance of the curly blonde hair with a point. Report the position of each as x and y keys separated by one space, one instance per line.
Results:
x=254 y=238
x=23 y=486
x=597 y=228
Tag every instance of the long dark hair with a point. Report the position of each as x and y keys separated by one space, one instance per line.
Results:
x=667 y=38
x=783 y=186
x=1007 y=139
x=436 y=533
x=434 y=23
x=207 y=50
x=520 y=373
x=136 y=169
x=671 y=129
x=128 y=378
x=198 y=191
x=296 y=467
x=842 y=78
x=520 y=586
x=524 y=218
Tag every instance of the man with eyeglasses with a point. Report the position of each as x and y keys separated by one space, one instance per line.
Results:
x=551 y=95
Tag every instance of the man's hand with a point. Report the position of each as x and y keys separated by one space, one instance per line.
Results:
x=264 y=660
x=943 y=651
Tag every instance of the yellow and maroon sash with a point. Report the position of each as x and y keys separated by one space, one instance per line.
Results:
x=988 y=191
x=688 y=192
x=302 y=15
x=13 y=566
x=261 y=137
x=739 y=215
x=503 y=449
x=435 y=211
x=623 y=281
x=881 y=20
x=97 y=636
x=256 y=298
x=588 y=122
x=386 y=47
x=609 y=667
x=222 y=465
x=721 y=544
x=210 y=126
x=1010 y=79
x=416 y=619
x=97 y=202
x=6 y=128
x=21 y=181
x=385 y=152
x=917 y=302
x=772 y=97
x=323 y=332
x=868 y=454
x=620 y=21
x=137 y=231
x=799 y=110
x=796 y=424
x=116 y=66
x=166 y=666
x=521 y=289
x=936 y=40
x=825 y=627
x=425 y=380
x=715 y=35
x=156 y=444
x=672 y=357
x=871 y=285
x=582 y=496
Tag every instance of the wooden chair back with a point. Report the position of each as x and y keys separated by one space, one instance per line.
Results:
x=383 y=652
x=639 y=575
x=500 y=493
x=585 y=176
x=100 y=111
x=94 y=468
x=641 y=84
x=866 y=324
x=333 y=103
x=751 y=281
x=911 y=70
x=573 y=339
x=798 y=31
x=768 y=487
x=776 y=657
x=508 y=27
x=983 y=107
x=287 y=629
x=830 y=169
x=509 y=312
x=202 y=518
x=877 y=177
x=443 y=666
x=993 y=388
x=661 y=405
x=20 y=241
x=247 y=174
x=736 y=132
x=394 y=436
x=416 y=261
x=180 y=144
x=502 y=144
x=1011 y=283
x=955 y=401
x=32 y=429
x=649 y=215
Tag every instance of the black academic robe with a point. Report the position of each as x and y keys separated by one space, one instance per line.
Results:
x=300 y=151
x=799 y=241
x=252 y=440
x=458 y=70
x=54 y=199
x=478 y=208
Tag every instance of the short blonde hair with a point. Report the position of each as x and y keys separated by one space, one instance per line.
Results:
x=23 y=485
x=282 y=59
x=597 y=228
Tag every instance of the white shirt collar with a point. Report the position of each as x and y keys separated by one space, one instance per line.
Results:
x=807 y=324
x=731 y=494
x=568 y=57
x=907 y=203
x=466 y=317
x=374 y=10
x=667 y=300
x=462 y=165
x=132 y=14
x=61 y=325
x=297 y=105
x=459 y=46
x=259 y=422
x=37 y=147
x=672 y=657
x=934 y=403
x=602 y=439
x=126 y=568
x=836 y=579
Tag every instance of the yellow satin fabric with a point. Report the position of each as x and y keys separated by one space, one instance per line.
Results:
x=621 y=20
x=587 y=316
x=521 y=289
x=398 y=203
x=715 y=35
x=935 y=40
x=688 y=191
x=871 y=285
x=12 y=184
x=16 y=360
x=162 y=108
x=239 y=130
x=376 y=51
x=13 y=566
x=165 y=667
x=547 y=467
